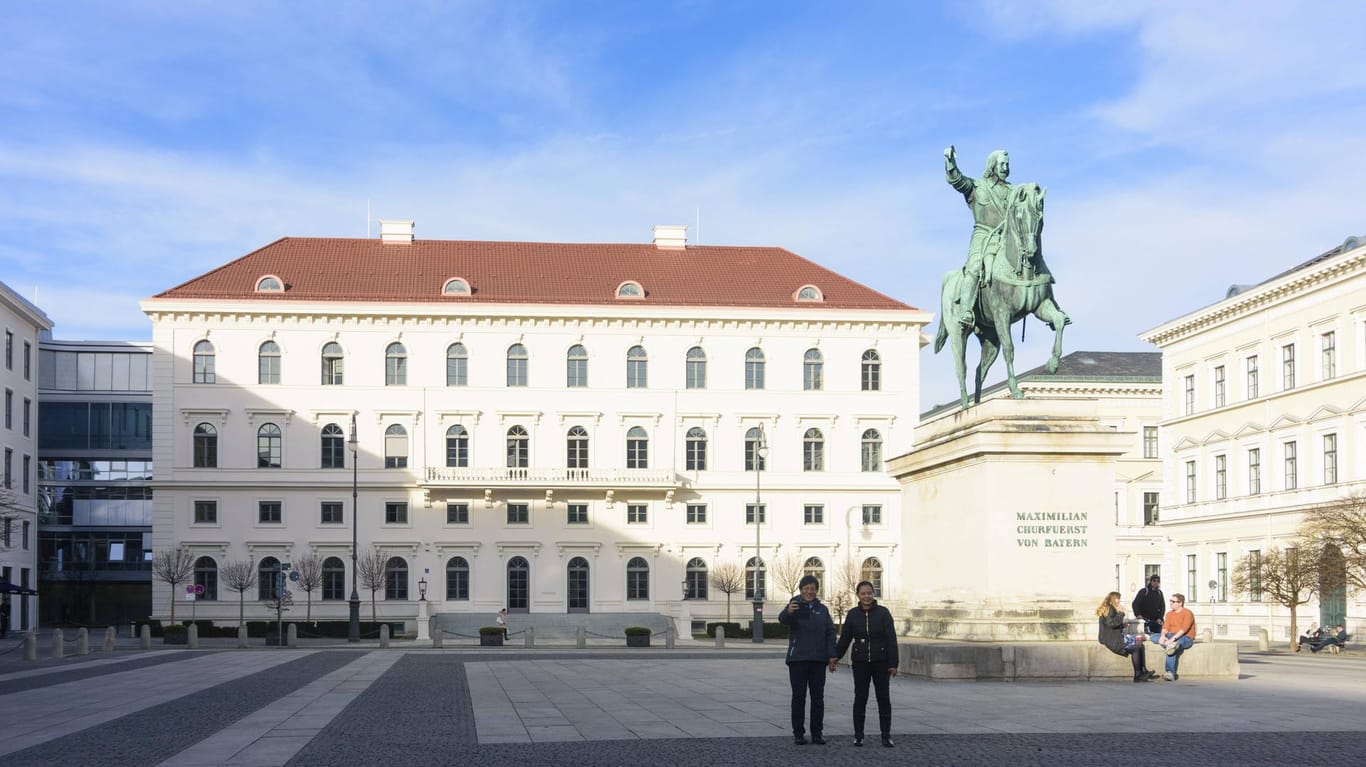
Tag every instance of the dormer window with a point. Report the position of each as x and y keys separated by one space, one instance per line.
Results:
x=809 y=293
x=270 y=284
x=456 y=286
x=631 y=290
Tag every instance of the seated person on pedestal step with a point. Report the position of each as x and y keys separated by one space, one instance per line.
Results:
x=1177 y=635
x=1313 y=635
x=1338 y=637
x=1110 y=633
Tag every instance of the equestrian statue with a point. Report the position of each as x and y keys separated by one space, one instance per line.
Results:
x=1005 y=278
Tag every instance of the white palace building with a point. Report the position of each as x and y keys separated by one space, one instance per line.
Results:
x=548 y=427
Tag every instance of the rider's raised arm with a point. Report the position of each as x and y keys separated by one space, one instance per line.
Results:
x=955 y=177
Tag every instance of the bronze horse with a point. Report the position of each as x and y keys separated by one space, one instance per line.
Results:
x=1019 y=284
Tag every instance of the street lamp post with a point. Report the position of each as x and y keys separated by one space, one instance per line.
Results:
x=423 y=630
x=757 y=623
x=353 y=620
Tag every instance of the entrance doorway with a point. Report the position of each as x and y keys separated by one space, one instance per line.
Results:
x=577 y=585
x=1332 y=589
x=519 y=585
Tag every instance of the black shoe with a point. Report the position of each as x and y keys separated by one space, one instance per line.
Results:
x=887 y=741
x=817 y=740
x=1140 y=677
x=799 y=740
x=858 y=741
x=1151 y=674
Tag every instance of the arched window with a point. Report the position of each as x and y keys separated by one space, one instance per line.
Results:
x=576 y=581
x=334 y=580
x=395 y=447
x=637 y=449
x=813 y=370
x=871 y=376
x=206 y=575
x=872 y=451
x=630 y=290
x=205 y=446
x=518 y=585
x=456 y=286
x=754 y=368
x=696 y=368
x=268 y=363
x=576 y=448
x=269 y=284
x=203 y=363
x=637 y=368
x=872 y=572
x=696 y=452
x=334 y=447
x=269 y=579
x=457 y=365
x=755 y=576
x=457 y=446
x=696 y=579
x=813 y=450
x=333 y=364
x=809 y=293
x=815 y=567
x=755 y=448
x=269 y=446
x=519 y=444
x=637 y=579
x=395 y=365
x=576 y=368
x=517 y=363
x=457 y=580
x=396 y=578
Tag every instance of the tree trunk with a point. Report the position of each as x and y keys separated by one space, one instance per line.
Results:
x=173 y=585
x=1294 y=628
x=308 y=611
x=727 y=608
x=241 y=609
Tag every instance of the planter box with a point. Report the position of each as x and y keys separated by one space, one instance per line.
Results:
x=490 y=640
x=642 y=640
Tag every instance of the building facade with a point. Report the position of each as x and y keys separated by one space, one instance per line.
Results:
x=543 y=427
x=94 y=481
x=22 y=323
x=1262 y=419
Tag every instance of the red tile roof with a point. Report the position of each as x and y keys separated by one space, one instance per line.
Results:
x=336 y=269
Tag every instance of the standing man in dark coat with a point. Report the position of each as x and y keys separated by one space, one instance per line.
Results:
x=1150 y=605
x=810 y=650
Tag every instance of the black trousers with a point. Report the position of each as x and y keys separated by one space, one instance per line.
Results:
x=865 y=672
x=804 y=676
x=1138 y=657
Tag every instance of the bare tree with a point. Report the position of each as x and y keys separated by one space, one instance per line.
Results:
x=843 y=579
x=9 y=516
x=239 y=576
x=787 y=572
x=173 y=567
x=1287 y=577
x=728 y=578
x=1340 y=525
x=310 y=570
x=370 y=572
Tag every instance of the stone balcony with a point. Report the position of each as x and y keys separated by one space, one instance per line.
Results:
x=551 y=478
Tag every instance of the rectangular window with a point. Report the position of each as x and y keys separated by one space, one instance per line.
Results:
x=1219 y=386
x=637 y=513
x=206 y=512
x=1192 y=590
x=696 y=377
x=9 y=467
x=872 y=514
x=1220 y=477
x=1254 y=471
x=1190 y=481
x=28 y=361
x=1329 y=354
x=754 y=373
x=697 y=513
x=516 y=371
x=1292 y=470
x=576 y=514
x=9 y=350
x=28 y=417
x=1190 y=394
x=1330 y=459
x=24 y=540
x=396 y=513
x=1254 y=571
x=637 y=373
x=1252 y=387
x=330 y=513
x=1149 y=441
x=28 y=470
x=749 y=513
x=9 y=409
x=519 y=513
x=813 y=514
x=268 y=513
x=457 y=513
x=576 y=373
x=457 y=370
x=1150 y=508
x=268 y=368
x=1150 y=570
x=1221 y=576
x=1288 y=367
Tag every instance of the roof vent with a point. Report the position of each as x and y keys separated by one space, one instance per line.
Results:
x=396 y=232
x=672 y=237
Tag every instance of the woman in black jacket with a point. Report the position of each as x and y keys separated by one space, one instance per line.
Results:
x=870 y=629
x=1110 y=618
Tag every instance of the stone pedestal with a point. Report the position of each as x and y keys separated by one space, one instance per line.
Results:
x=1009 y=521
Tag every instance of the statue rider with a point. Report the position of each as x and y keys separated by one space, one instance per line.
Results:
x=989 y=200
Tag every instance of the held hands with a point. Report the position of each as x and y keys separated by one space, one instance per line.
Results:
x=891 y=671
x=833 y=663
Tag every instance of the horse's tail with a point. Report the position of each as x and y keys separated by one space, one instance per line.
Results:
x=942 y=335
x=947 y=288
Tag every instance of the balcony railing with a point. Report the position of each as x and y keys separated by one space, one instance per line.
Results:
x=551 y=477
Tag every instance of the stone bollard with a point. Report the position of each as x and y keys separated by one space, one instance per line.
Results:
x=58 y=648
x=145 y=638
x=581 y=641
x=31 y=645
x=292 y=635
x=438 y=636
x=109 y=639
x=242 y=637
x=530 y=636
x=1206 y=636
x=192 y=636
x=1263 y=640
x=82 y=641
x=669 y=640
x=720 y=636
x=384 y=635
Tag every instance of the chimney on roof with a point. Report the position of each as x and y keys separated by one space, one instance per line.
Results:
x=395 y=231
x=671 y=237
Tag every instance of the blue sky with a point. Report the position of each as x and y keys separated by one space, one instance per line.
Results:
x=1185 y=146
